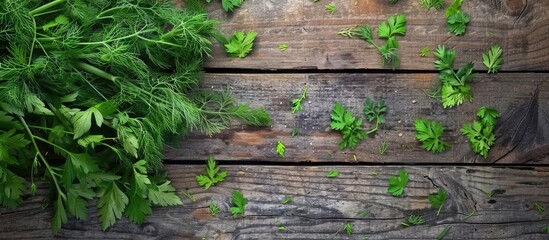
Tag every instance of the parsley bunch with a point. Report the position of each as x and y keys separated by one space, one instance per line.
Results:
x=481 y=133
x=455 y=87
x=395 y=25
x=344 y=121
x=428 y=133
x=98 y=86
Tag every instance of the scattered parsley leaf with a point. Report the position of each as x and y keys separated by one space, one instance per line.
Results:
x=383 y=147
x=240 y=44
x=488 y=116
x=330 y=8
x=332 y=174
x=214 y=209
x=344 y=121
x=295 y=132
x=444 y=233
x=438 y=199
x=297 y=101
x=428 y=133
x=374 y=111
x=287 y=200
x=398 y=183
x=394 y=25
x=437 y=4
x=493 y=59
x=239 y=203
x=413 y=220
x=348 y=229
x=539 y=208
x=424 y=52
x=213 y=176
x=281 y=228
x=362 y=213
x=481 y=134
x=453 y=8
x=347 y=31
x=457 y=23
x=374 y=173
x=229 y=5
x=282 y=47
x=189 y=196
x=280 y=148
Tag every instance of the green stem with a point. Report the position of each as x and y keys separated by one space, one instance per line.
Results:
x=53 y=144
x=49 y=129
x=52 y=173
x=46 y=7
x=117 y=39
x=439 y=208
x=95 y=71
x=373 y=129
x=48 y=12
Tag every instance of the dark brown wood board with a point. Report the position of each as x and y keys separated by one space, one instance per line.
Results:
x=519 y=26
x=404 y=94
x=322 y=206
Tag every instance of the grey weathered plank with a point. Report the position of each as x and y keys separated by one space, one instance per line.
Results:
x=405 y=98
x=321 y=206
x=519 y=26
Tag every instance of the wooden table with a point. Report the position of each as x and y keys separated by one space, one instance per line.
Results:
x=339 y=69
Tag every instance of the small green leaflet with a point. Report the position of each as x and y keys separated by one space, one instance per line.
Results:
x=332 y=174
x=295 y=132
x=280 y=148
x=344 y=121
x=374 y=111
x=239 y=203
x=428 y=133
x=214 y=209
x=111 y=205
x=438 y=199
x=413 y=220
x=282 y=47
x=493 y=59
x=444 y=233
x=297 y=101
x=455 y=87
x=60 y=216
x=287 y=200
x=383 y=147
x=424 y=52
x=539 y=208
x=229 y=5
x=453 y=8
x=189 y=196
x=240 y=44
x=488 y=116
x=164 y=195
x=330 y=8
x=394 y=25
x=546 y=229
x=281 y=228
x=480 y=134
x=457 y=23
x=212 y=176
x=398 y=183
x=82 y=120
x=437 y=4
x=348 y=228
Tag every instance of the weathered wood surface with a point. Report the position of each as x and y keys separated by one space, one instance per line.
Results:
x=519 y=26
x=404 y=95
x=322 y=206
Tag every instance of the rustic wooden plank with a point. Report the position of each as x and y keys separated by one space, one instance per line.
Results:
x=406 y=100
x=519 y=26
x=321 y=206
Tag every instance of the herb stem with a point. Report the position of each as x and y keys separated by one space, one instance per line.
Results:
x=46 y=7
x=95 y=71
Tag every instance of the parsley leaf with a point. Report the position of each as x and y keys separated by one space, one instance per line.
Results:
x=480 y=134
x=383 y=147
x=214 y=209
x=394 y=25
x=444 y=233
x=539 y=208
x=164 y=195
x=239 y=203
x=438 y=199
x=287 y=200
x=424 y=52
x=297 y=101
x=240 y=44
x=330 y=8
x=488 y=116
x=280 y=148
x=455 y=87
x=111 y=205
x=428 y=133
x=332 y=174
x=374 y=112
x=229 y=5
x=453 y=8
x=413 y=220
x=493 y=59
x=398 y=183
x=437 y=4
x=282 y=47
x=457 y=23
x=212 y=176
x=344 y=121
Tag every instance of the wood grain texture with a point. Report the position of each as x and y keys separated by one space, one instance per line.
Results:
x=521 y=27
x=322 y=206
x=404 y=95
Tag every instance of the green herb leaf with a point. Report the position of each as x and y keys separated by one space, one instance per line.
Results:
x=297 y=101
x=332 y=174
x=437 y=200
x=428 y=133
x=444 y=233
x=214 y=209
x=240 y=44
x=239 y=203
x=229 y=5
x=493 y=59
x=280 y=148
x=348 y=228
x=413 y=220
x=383 y=147
x=374 y=112
x=457 y=23
x=398 y=183
x=454 y=8
x=344 y=121
x=330 y=8
x=213 y=176
x=287 y=200
x=539 y=208
x=282 y=47
x=437 y=4
x=394 y=25
x=481 y=138
x=424 y=52
x=111 y=205
x=488 y=116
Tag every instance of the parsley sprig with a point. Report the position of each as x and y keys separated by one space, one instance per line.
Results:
x=239 y=203
x=344 y=121
x=280 y=148
x=212 y=176
x=398 y=183
x=413 y=220
x=240 y=44
x=493 y=59
x=457 y=20
x=438 y=199
x=437 y=4
x=297 y=101
x=374 y=111
x=481 y=133
x=428 y=133
x=455 y=87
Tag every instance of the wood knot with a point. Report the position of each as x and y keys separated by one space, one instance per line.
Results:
x=515 y=6
x=149 y=229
